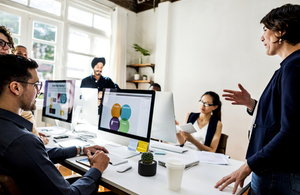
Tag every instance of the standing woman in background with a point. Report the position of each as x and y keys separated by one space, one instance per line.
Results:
x=207 y=124
x=274 y=143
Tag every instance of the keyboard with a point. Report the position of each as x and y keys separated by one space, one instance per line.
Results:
x=113 y=160
x=116 y=160
x=168 y=147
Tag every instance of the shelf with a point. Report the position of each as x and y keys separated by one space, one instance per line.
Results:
x=136 y=82
x=137 y=66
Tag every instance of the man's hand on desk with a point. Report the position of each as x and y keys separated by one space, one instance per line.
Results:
x=237 y=176
x=93 y=149
x=99 y=160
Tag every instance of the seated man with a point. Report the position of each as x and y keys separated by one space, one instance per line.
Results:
x=23 y=155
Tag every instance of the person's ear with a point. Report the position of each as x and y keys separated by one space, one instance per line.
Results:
x=215 y=107
x=15 y=88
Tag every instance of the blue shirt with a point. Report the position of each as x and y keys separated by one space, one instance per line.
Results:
x=24 y=157
x=274 y=143
x=103 y=82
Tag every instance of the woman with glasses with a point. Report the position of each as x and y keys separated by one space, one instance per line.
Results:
x=207 y=124
x=6 y=41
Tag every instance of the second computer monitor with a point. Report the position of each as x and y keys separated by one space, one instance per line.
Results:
x=127 y=113
x=163 y=125
x=86 y=100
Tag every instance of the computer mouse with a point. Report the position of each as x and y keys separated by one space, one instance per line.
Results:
x=123 y=168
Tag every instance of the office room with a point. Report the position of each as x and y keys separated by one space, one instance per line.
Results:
x=196 y=46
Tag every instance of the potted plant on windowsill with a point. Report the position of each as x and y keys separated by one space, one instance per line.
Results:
x=144 y=52
x=147 y=166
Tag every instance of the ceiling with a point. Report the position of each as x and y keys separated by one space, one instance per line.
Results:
x=139 y=5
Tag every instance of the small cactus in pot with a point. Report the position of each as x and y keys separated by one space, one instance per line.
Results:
x=147 y=166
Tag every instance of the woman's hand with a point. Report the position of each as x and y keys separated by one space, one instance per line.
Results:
x=187 y=136
x=237 y=176
x=239 y=97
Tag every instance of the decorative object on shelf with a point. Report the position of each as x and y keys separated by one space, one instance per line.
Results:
x=136 y=76
x=144 y=52
x=147 y=166
x=144 y=77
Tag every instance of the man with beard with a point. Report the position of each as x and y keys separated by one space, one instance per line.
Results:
x=96 y=80
x=23 y=155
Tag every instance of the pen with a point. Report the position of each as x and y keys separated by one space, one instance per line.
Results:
x=57 y=143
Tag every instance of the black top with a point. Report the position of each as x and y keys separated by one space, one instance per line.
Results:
x=212 y=126
x=104 y=82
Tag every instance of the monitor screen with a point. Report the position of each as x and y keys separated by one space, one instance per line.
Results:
x=127 y=113
x=86 y=99
x=163 y=125
x=58 y=100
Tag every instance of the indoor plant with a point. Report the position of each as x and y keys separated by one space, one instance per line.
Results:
x=144 y=52
x=147 y=166
x=144 y=77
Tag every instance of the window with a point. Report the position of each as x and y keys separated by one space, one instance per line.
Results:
x=82 y=48
x=63 y=36
x=12 y=22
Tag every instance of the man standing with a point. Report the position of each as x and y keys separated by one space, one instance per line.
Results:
x=96 y=80
x=23 y=155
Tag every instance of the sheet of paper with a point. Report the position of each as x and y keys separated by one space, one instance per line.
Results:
x=142 y=146
x=133 y=144
x=212 y=158
x=72 y=142
x=187 y=128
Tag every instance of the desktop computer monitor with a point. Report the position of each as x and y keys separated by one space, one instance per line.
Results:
x=58 y=101
x=86 y=100
x=127 y=113
x=163 y=123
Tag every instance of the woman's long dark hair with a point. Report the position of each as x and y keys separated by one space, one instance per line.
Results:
x=216 y=102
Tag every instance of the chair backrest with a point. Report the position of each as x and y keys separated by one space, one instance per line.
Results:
x=8 y=186
x=222 y=144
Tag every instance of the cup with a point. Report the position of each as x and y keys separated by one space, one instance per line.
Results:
x=174 y=171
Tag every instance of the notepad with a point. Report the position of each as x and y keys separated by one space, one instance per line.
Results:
x=187 y=128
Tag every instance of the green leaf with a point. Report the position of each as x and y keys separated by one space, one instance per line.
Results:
x=140 y=49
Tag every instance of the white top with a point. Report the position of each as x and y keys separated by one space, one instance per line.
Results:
x=200 y=136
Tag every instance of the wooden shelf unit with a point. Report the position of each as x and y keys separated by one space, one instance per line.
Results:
x=137 y=67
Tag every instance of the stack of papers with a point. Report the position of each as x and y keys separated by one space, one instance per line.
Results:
x=212 y=158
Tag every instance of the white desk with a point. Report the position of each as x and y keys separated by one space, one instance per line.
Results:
x=198 y=180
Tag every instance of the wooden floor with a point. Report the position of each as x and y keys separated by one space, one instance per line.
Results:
x=66 y=172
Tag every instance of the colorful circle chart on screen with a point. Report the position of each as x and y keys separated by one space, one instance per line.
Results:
x=124 y=113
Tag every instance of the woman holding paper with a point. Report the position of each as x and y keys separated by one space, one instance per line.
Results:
x=274 y=143
x=207 y=123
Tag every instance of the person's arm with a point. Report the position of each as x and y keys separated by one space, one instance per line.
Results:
x=214 y=143
x=241 y=97
x=181 y=140
x=30 y=162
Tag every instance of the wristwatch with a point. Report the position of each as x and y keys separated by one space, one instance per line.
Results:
x=81 y=150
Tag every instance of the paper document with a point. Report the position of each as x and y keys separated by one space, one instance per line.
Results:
x=212 y=158
x=71 y=142
x=187 y=128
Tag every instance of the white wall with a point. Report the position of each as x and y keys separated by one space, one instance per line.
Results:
x=212 y=45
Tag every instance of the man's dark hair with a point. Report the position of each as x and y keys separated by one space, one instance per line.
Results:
x=155 y=85
x=284 y=19
x=7 y=33
x=15 y=68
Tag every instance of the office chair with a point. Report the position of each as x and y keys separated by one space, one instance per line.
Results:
x=222 y=144
x=8 y=186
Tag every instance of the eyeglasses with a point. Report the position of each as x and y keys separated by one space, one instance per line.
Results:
x=3 y=43
x=37 y=85
x=205 y=104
